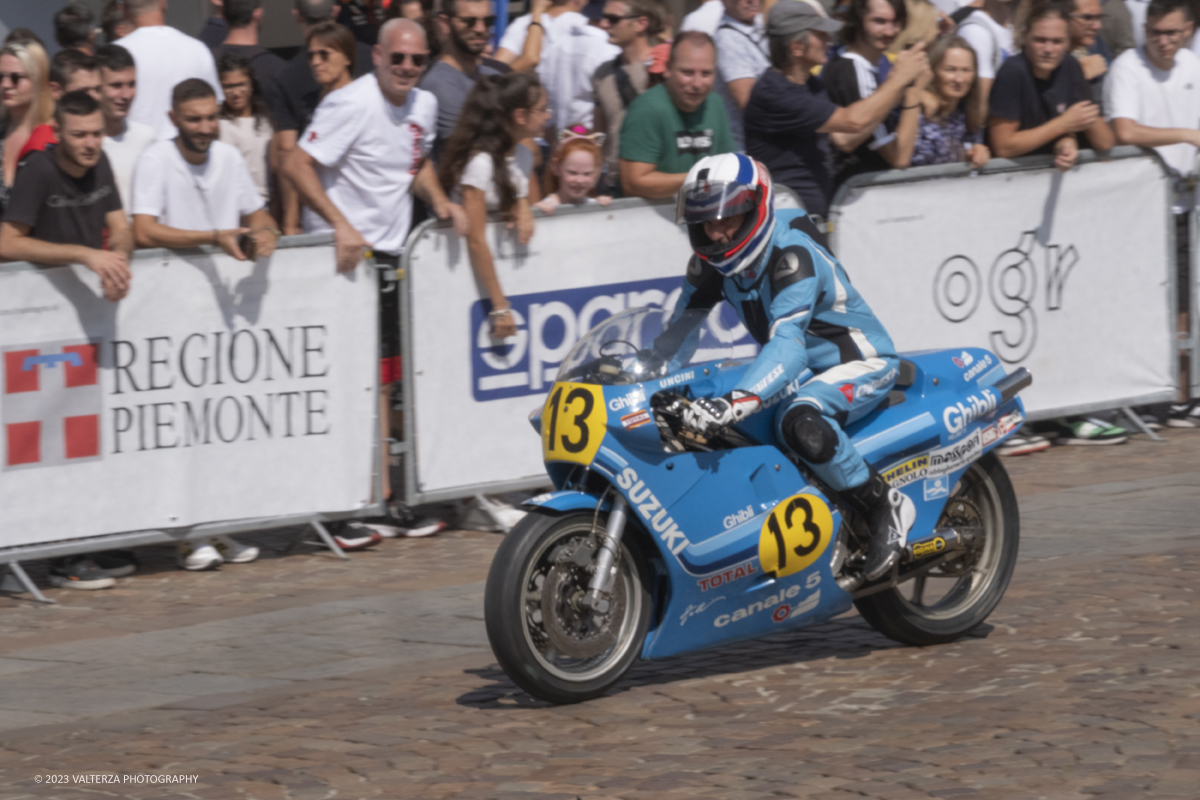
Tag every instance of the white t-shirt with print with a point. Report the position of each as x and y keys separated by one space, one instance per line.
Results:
x=993 y=42
x=368 y=151
x=214 y=195
x=123 y=152
x=480 y=173
x=1136 y=89
x=164 y=58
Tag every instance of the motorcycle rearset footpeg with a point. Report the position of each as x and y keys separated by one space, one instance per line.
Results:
x=600 y=585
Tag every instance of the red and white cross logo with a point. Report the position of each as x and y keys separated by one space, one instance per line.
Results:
x=51 y=404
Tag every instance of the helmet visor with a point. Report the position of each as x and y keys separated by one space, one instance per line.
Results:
x=704 y=200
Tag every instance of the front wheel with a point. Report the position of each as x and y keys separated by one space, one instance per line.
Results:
x=548 y=644
x=947 y=602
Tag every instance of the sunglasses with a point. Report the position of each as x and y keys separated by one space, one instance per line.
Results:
x=1089 y=18
x=15 y=77
x=418 y=59
x=319 y=55
x=470 y=22
x=613 y=19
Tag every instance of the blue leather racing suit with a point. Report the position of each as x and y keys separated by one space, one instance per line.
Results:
x=801 y=308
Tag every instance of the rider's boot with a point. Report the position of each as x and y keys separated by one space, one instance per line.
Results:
x=889 y=514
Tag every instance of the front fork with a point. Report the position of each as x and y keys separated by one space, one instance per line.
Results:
x=600 y=586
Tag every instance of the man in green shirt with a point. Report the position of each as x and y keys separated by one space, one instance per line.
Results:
x=669 y=128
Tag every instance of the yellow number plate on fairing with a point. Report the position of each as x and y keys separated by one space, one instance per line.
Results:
x=794 y=535
x=573 y=423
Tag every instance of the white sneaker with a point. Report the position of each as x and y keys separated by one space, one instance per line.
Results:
x=196 y=557
x=233 y=551
x=489 y=514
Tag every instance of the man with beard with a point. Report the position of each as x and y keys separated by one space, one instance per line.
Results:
x=194 y=190
x=464 y=27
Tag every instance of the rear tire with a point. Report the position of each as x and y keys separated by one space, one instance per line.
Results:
x=575 y=655
x=984 y=493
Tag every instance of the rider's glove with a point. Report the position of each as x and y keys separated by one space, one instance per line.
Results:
x=709 y=415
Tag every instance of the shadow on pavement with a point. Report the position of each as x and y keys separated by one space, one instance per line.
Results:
x=843 y=639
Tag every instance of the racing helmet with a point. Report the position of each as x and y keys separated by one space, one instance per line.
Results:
x=721 y=186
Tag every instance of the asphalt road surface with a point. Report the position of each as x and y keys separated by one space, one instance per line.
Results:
x=302 y=677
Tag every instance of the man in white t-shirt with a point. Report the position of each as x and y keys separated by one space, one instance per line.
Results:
x=741 y=58
x=166 y=58
x=1152 y=98
x=360 y=161
x=363 y=155
x=194 y=190
x=1152 y=95
x=124 y=139
x=989 y=31
x=571 y=52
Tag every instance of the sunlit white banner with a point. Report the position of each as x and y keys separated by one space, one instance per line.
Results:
x=217 y=390
x=1068 y=275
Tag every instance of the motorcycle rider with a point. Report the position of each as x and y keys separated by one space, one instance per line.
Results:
x=795 y=299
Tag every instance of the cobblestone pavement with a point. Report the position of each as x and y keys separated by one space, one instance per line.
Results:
x=302 y=677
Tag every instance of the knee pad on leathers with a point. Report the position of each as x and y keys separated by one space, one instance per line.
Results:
x=810 y=434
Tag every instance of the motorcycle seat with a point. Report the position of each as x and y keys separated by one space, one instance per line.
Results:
x=905 y=380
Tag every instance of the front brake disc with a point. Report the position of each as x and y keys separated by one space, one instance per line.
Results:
x=576 y=631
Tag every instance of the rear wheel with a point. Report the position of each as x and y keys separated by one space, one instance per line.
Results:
x=545 y=640
x=951 y=599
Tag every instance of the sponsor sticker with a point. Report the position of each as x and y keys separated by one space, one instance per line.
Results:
x=907 y=471
x=936 y=488
x=739 y=516
x=727 y=576
x=957 y=417
x=922 y=549
x=652 y=511
x=635 y=420
x=779 y=604
x=935 y=463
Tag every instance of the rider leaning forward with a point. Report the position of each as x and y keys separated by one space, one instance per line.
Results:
x=795 y=299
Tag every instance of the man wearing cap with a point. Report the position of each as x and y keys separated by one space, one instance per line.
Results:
x=790 y=116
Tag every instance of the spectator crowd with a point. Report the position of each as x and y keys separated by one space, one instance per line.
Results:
x=397 y=110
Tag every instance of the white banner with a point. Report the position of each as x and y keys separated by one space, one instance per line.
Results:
x=217 y=390
x=1067 y=275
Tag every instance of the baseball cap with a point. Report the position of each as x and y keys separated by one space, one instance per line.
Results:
x=789 y=17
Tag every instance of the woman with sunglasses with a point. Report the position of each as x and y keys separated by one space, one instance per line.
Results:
x=27 y=104
x=331 y=54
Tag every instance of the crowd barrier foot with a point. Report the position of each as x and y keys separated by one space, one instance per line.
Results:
x=328 y=540
x=18 y=581
x=1141 y=425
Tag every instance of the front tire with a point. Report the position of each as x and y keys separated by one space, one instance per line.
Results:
x=984 y=503
x=544 y=640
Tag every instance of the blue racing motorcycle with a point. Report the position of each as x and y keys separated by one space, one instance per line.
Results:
x=657 y=542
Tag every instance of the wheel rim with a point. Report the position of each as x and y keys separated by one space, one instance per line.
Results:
x=564 y=583
x=952 y=588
